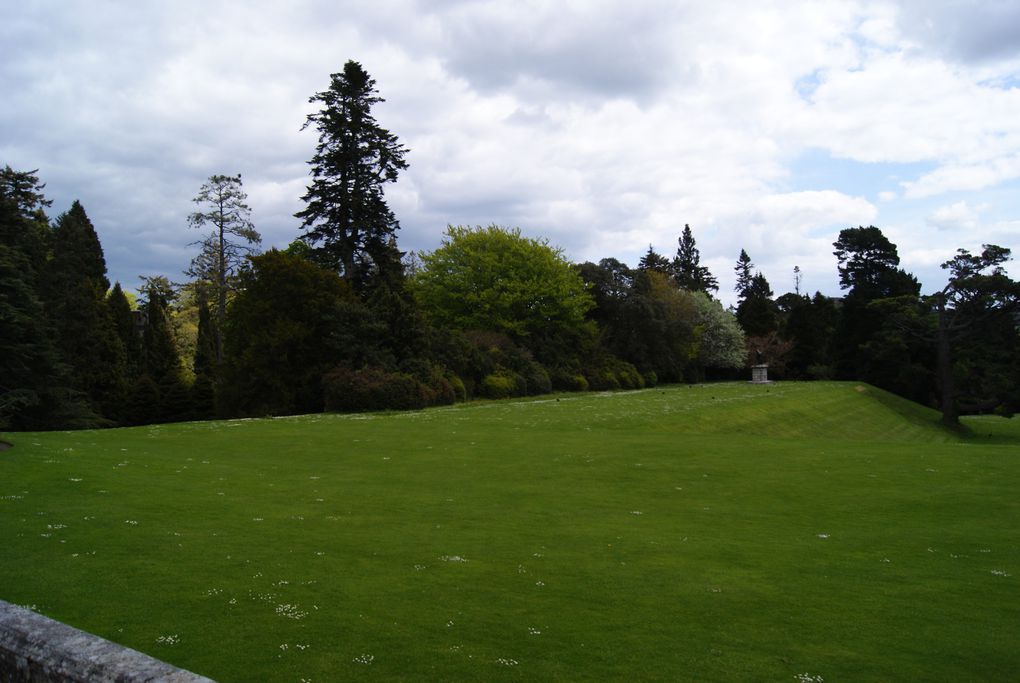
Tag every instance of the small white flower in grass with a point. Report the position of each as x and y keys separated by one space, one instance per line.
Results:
x=171 y=639
x=284 y=646
x=301 y=647
x=452 y=558
x=1000 y=572
x=290 y=611
x=364 y=659
x=808 y=678
x=257 y=519
x=985 y=550
x=823 y=536
x=540 y=583
x=132 y=522
x=507 y=662
x=534 y=631
x=419 y=567
x=74 y=479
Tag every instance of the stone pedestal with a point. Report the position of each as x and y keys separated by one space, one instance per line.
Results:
x=760 y=374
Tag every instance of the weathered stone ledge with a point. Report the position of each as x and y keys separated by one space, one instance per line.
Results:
x=34 y=648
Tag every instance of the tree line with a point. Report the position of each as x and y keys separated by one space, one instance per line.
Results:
x=343 y=320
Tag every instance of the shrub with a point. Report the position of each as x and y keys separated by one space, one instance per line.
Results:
x=459 y=390
x=612 y=374
x=348 y=390
x=497 y=385
x=564 y=379
x=503 y=384
x=537 y=379
x=651 y=379
x=603 y=379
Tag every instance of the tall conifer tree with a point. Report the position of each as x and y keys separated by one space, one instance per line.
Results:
x=687 y=270
x=86 y=335
x=346 y=213
x=34 y=387
x=233 y=238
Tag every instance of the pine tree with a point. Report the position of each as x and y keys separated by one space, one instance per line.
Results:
x=85 y=332
x=123 y=318
x=653 y=260
x=223 y=202
x=743 y=271
x=205 y=344
x=345 y=211
x=757 y=312
x=687 y=270
x=159 y=351
x=34 y=387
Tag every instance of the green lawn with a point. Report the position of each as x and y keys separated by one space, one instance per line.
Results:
x=712 y=533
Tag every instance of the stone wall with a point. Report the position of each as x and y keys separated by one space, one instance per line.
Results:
x=36 y=649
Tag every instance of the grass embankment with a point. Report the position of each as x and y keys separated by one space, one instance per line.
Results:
x=719 y=532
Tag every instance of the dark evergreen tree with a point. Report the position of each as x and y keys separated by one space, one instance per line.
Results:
x=85 y=331
x=743 y=272
x=975 y=334
x=811 y=328
x=174 y=398
x=203 y=398
x=868 y=265
x=159 y=350
x=652 y=260
x=290 y=323
x=203 y=392
x=346 y=213
x=233 y=238
x=687 y=270
x=143 y=403
x=757 y=313
x=205 y=362
x=868 y=268
x=123 y=318
x=34 y=387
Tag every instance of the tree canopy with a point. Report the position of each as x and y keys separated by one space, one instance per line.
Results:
x=494 y=278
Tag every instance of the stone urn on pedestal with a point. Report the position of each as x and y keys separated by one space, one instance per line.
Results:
x=760 y=370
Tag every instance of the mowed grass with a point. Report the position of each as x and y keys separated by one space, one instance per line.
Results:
x=711 y=533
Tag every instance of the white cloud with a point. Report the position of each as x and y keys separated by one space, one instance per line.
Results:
x=958 y=217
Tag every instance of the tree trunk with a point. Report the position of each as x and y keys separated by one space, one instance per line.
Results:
x=221 y=294
x=944 y=368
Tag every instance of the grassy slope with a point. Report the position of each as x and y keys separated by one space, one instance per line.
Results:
x=721 y=532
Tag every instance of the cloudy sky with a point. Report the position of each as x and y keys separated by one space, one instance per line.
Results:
x=602 y=125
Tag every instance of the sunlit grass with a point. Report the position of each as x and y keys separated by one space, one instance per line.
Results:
x=718 y=532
